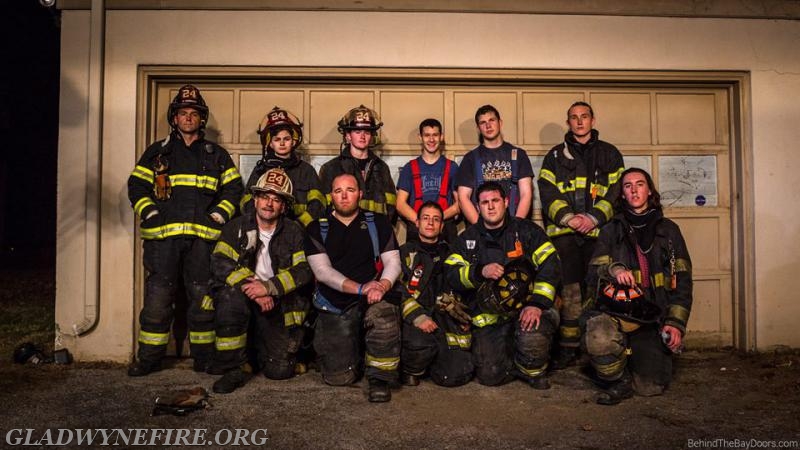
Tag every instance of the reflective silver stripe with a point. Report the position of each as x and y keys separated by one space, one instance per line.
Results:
x=153 y=338
x=177 y=229
x=409 y=306
x=202 y=337
x=229 y=175
x=613 y=177
x=227 y=207
x=532 y=372
x=238 y=275
x=143 y=173
x=293 y=318
x=482 y=320
x=548 y=176
x=606 y=208
x=555 y=207
x=287 y=281
x=231 y=343
x=143 y=203
x=207 y=304
x=382 y=363
x=195 y=181
x=459 y=340
x=463 y=271
x=298 y=257
x=222 y=248
x=544 y=289
x=542 y=253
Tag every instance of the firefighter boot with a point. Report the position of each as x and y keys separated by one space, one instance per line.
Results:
x=232 y=380
x=567 y=356
x=142 y=368
x=617 y=392
x=379 y=391
x=409 y=380
x=540 y=383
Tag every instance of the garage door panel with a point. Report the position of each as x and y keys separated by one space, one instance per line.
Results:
x=702 y=239
x=402 y=112
x=327 y=107
x=622 y=118
x=686 y=118
x=466 y=103
x=220 y=120
x=705 y=314
x=544 y=116
x=254 y=105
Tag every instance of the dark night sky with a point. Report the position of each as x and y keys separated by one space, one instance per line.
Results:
x=29 y=132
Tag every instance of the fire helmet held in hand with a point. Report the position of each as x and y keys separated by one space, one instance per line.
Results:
x=511 y=291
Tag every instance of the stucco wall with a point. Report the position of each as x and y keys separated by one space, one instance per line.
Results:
x=765 y=48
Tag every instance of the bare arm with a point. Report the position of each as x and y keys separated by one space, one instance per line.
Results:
x=525 y=197
x=453 y=209
x=465 y=201
x=403 y=208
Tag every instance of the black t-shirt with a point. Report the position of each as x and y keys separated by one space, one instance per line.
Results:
x=350 y=250
x=495 y=164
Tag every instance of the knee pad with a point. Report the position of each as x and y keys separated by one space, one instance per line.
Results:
x=603 y=336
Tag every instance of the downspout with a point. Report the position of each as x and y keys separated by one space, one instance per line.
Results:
x=94 y=169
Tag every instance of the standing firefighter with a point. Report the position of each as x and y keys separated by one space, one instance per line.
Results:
x=577 y=184
x=643 y=274
x=184 y=188
x=260 y=272
x=509 y=271
x=359 y=129
x=281 y=134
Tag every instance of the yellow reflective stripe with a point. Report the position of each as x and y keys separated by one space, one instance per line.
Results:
x=299 y=208
x=227 y=207
x=372 y=205
x=202 y=337
x=148 y=338
x=328 y=199
x=599 y=189
x=658 y=280
x=555 y=230
x=305 y=218
x=231 y=343
x=580 y=182
x=207 y=304
x=382 y=363
x=293 y=318
x=569 y=332
x=531 y=372
x=613 y=177
x=544 y=289
x=238 y=275
x=177 y=229
x=683 y=265
x=391 y=198
x=463 y=272
x=600 y=260
x=246 y=198
x=409 y=306
x=548 y=176
x=143 y=173
x=482 y=320
x=192 y=180
x=542 y=253
x=143 y=203
x=564 y=189
x=606 y=208
x=298 y=257
x=678 y=312
x=612 y=369
x=226 y=250
x=287 y=281
x=555 y=207
x=229 y=175
x=459 y=340
x=316 y=194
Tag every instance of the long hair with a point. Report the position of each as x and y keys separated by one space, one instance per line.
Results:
x=654 y=201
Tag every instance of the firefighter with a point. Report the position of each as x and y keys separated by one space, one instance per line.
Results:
x=184 y=188
x=260 y=271
x=281 y=134
x=578 y=184
x=436 y=336
x=643 y=274
x=508 y=307
x=359 y=129
x=354 y=256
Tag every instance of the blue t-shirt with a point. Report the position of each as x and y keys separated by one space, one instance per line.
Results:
x=431 y=178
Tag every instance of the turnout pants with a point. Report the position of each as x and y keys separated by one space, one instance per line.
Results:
x=503 y=350
x=612 y=351
x=276 y=334
x=445 y=353
x=338 y=343
x=166 y=261
x=575 y=252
